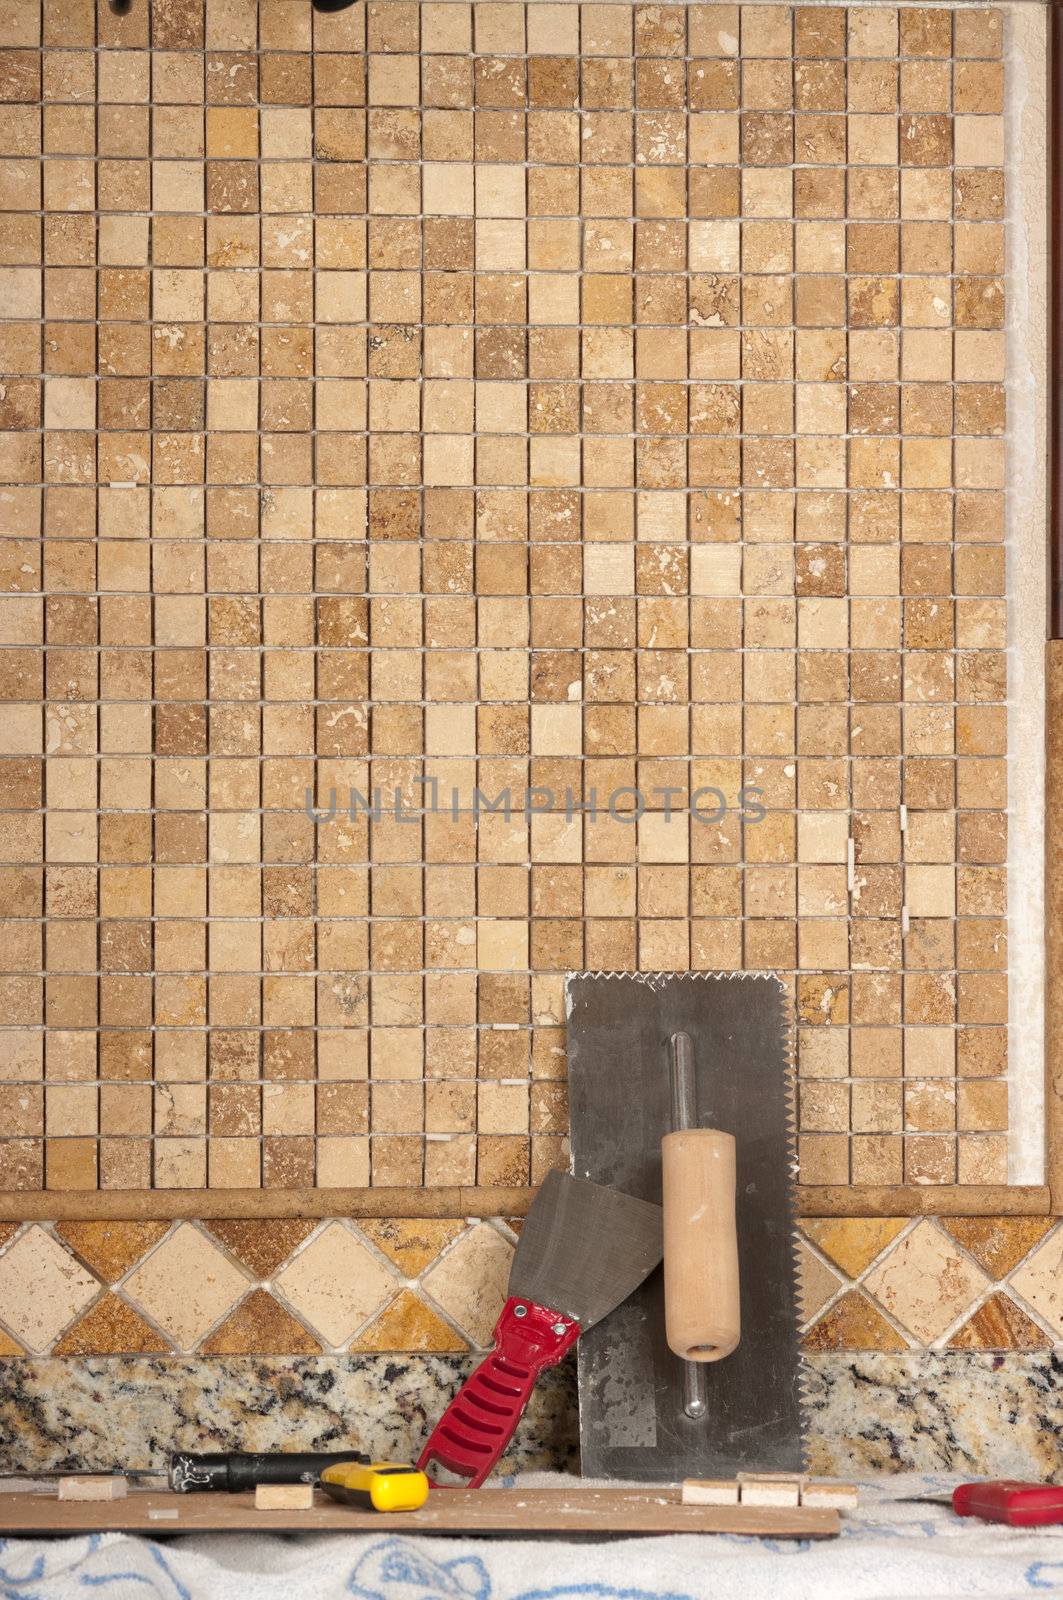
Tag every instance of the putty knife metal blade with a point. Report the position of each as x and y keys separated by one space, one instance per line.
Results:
x=632 y=1423
x=582 y=1250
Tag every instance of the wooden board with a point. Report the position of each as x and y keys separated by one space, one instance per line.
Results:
x=454 y=1511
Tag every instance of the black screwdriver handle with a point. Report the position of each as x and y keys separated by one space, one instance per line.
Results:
x=238 y=1470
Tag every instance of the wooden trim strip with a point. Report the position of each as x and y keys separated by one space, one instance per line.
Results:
x=1054 y=918
x=114 y=1205
x=126 y=1205
x=933 y=1200
x=1054 y=200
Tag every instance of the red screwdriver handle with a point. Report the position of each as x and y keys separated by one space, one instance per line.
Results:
x=479 y=1422
x=1021 y=1505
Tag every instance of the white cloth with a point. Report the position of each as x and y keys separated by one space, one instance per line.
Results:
x=887 y=1551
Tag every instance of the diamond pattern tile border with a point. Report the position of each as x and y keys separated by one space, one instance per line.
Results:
x=283 y=1288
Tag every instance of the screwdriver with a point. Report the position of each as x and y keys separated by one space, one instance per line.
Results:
x=1020 y=1505
x=238 y=1470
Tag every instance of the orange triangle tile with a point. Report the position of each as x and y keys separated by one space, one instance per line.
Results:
x=112 y=1328
x=8 y=1347
x=262 y=1244
x=852 y=1242
x=8 y=1231
x=408 y=1324
x=853 y=1323
x=999 y=1324
x=110 y=1248
x=997 y=1243
x=412 y=1243
x=260 y=1326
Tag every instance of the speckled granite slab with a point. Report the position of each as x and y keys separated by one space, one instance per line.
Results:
x=132 y=1411
x=869 y=1413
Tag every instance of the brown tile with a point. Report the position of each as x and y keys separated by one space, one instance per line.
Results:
x=503 y=576
x=412 y=1245
x=998 y=1243
x=111 y=1248
x=999 y=1324
x=409 y=1324
x=111 y=1327
x=852 y=1323
x=852 y=1242
x=260 y=1326
x=262 y=1246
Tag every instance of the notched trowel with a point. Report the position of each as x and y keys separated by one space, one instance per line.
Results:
x=650 y=1055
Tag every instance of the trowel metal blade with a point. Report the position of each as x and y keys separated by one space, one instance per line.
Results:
x=632 y=1423
x=584 y=1248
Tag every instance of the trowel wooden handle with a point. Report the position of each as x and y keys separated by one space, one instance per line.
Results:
x=701 y=1308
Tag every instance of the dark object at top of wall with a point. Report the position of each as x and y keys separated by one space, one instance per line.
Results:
x=120 y=7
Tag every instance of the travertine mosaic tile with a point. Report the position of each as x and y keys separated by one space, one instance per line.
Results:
x=257 y=1288
x=441 y=400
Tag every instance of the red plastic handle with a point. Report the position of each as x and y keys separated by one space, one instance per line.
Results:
x=479 y=1422
x=1021 y=1505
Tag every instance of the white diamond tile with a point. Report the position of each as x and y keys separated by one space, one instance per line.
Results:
x=336 y=1283
x=42 y=1289
x=186 y=1285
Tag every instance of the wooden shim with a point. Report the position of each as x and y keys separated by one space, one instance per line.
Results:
x=709 y=1492
x=841 y=1496
x=94 y=1487
x=770 y=1488
x=558 y=1511
x=284 y=1496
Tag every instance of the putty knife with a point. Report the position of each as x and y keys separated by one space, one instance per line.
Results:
x=634 y=1392
x=582 y=1250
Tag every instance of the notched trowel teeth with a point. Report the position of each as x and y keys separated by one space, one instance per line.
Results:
x=803 y=1373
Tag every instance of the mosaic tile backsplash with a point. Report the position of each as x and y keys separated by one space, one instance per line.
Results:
x=599 y=400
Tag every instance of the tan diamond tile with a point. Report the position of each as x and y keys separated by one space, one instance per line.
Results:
x=470 y=1281
x=336 y=1283
x=411 y=1243
x=408 y=1324
x=853 y=1323
x=111 y=1328
x=260 y=1325
x=1040 y=1280
x=852 y=1242
x=926 y=1282
x=186 y=1285
x=110 y=1248
x=999 y=1324
x=816 y=1283
x=42 y=1288
x=998 y=1243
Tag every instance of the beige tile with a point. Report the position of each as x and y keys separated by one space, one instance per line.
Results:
x=925 y=1282
x=1039 y=1281
x=469 y=1281
x=42 y=1289
x=816 y=1282
x=186 y=1285
x=336 y=1283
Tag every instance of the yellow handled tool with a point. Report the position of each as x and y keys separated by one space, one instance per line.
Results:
x=380 y=1486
